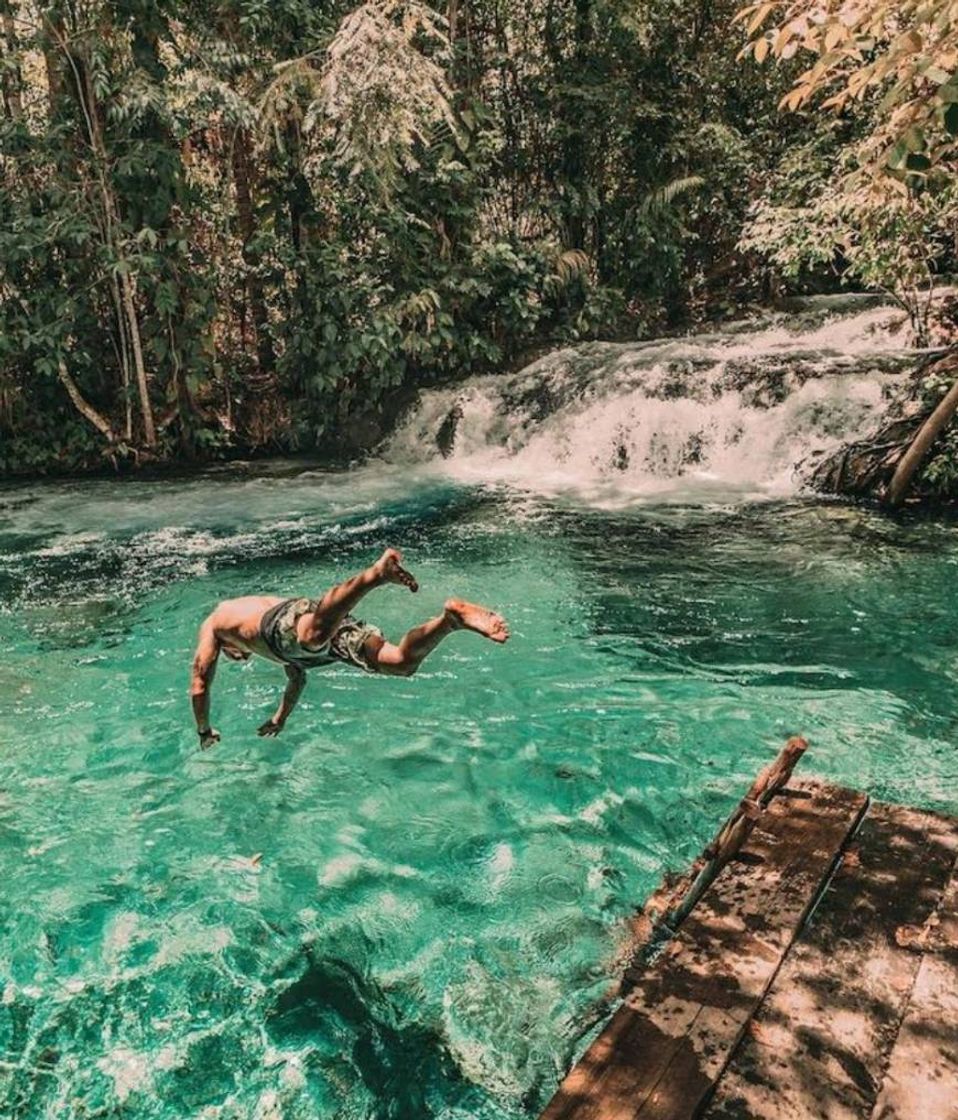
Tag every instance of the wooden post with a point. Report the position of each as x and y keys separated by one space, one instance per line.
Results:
x=673 y=905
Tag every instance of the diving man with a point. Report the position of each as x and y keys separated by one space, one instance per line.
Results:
x=302 y=634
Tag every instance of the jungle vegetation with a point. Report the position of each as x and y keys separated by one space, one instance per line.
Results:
x=252 y=226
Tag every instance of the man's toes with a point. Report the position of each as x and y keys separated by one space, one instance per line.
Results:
x=499 y=631
x=406 y=578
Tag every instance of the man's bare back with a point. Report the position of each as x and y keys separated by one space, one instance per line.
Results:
x=302 y=633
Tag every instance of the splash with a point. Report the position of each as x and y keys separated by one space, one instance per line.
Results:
x=745 y=413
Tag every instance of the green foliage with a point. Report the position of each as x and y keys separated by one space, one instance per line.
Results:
x=939 y=476
x=244 y=226
x=379 y=87
x=819 y=213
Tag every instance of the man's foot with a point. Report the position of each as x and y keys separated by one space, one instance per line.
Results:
x=269 y=730
x=390 y=570
x=470 y=616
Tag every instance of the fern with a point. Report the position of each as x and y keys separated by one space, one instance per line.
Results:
x=663 y=197
x=571 y=263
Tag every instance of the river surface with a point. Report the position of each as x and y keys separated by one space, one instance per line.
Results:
x=408 y=905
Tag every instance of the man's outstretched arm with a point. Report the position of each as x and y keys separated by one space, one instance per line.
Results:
x=295 y=683
x=201 y=682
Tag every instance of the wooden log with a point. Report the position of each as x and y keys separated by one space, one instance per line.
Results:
x=918 y=449
x=867 y=467
x=819 y=1044
x=665 y=911
x=668 y=1042
x=771 y=780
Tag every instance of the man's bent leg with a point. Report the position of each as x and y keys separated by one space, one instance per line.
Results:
x=340 y=600
x=404 y=659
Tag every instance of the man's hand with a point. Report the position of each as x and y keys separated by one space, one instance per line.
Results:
x=270 y=729
x=208 y=738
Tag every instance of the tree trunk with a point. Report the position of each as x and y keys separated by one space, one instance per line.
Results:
x=574 y=158
x=149 y=429
x=54 y=81
x=124 y=352
x=111 y=209
x=452 y=21
x=12 y=77
x=242 y=179
x=83 y=406
x=87 y=102
x=913 y=458
x=511 y=98
x=184 y=402
x=298 y=201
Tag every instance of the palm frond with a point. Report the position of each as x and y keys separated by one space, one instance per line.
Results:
x=663 y=197
x=571 y=263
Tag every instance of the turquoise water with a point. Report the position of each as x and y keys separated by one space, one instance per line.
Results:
x=409 y=904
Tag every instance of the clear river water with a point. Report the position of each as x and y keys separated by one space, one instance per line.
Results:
x=410 y=904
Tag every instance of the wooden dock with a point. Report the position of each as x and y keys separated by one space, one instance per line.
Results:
x=806 y=967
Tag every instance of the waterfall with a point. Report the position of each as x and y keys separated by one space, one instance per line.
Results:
x=749 y=410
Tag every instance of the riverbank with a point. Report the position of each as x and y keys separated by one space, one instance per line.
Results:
x=824 y=395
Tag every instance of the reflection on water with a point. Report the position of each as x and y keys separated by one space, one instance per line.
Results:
x=406 y=905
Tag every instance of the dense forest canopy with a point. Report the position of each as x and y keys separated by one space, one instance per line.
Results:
x=250 y=226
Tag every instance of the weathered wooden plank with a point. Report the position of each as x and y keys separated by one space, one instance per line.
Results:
x=671 y=1037
x=819 y=1044
x=921 y=1082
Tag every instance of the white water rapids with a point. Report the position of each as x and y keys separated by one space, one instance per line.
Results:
x=746 y=412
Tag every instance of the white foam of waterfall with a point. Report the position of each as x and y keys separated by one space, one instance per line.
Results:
x=745 y=413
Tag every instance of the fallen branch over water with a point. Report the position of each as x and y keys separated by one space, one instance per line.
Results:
x=887 y=465
x=917 y=452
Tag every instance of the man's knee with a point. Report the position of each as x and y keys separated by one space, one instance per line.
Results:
x=323 y=629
